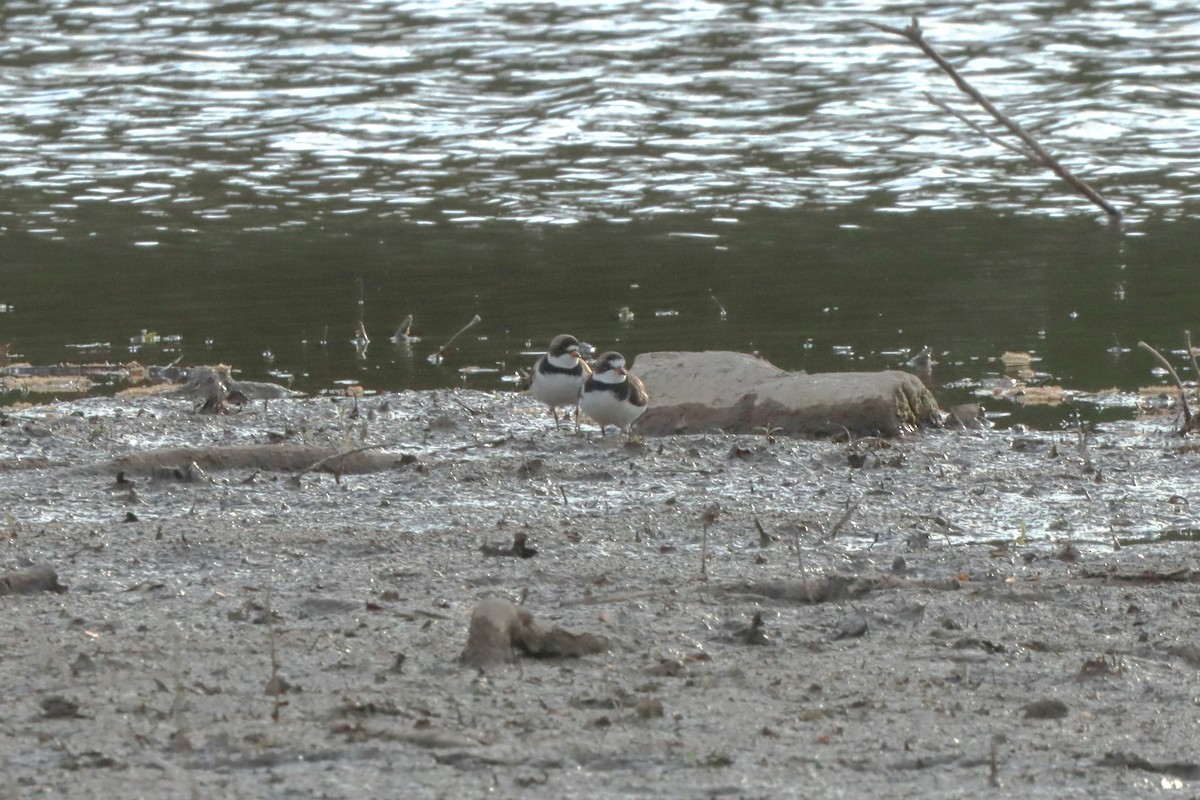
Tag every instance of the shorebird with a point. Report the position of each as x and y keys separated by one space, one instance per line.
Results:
x=559 y=375
x=613 y=396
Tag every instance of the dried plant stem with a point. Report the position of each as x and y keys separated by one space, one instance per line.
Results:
x=474 y=321
x=275 y=686
x=1187 y=339
x=1032 y=149
x=841 y=523
x=712 y=513
x=1187 y=412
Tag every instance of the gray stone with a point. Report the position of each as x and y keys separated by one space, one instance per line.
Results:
x=742 y=393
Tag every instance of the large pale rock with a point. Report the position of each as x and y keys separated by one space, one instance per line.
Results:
x=741 y=393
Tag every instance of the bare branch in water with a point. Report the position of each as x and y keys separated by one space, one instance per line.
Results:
x=913 y=33
x=436 y=358
x=982 y=131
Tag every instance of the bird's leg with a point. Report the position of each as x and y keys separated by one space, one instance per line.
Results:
x=577 y=418
x=557 y=425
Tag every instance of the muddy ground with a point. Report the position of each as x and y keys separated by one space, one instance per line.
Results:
x=957 y=613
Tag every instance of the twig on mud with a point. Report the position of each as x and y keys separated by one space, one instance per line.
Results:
x=277 y=684
x=342 y=454
x=462 y=448
x=1081 y=441
x=1188 y=426
x=800 y=563
x=866 y=620
x=841 y=523
x=1037 y=153
x=474 y=412
x=712 y=512
x=764 y=539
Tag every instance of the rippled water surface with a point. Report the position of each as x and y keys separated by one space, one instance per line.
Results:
x=234 y=172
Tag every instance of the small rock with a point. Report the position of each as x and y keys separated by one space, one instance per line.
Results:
x=756 y=634
x=650 y=708
x=59 y=707
x=851 y=626
x=31 y=580
x=1068 y=553
x=277 y=685
x=1046 y=709
x=82 y=663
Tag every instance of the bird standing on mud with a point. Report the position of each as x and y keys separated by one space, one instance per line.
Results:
x=613 y=396
x=558 y=376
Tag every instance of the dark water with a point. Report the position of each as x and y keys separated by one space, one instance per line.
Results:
x=238 y=173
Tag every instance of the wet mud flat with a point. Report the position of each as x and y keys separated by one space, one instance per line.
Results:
x=948 y=614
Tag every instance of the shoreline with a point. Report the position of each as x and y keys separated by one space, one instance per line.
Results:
x=248 y=635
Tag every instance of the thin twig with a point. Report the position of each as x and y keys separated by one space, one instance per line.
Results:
x=276 y=686
x=1187 y=412
x=342 y=454
x=913 y=33
x=982 y=131
x=462 y=448
x=1187 y=339
x=841 y=523
x=474 y=321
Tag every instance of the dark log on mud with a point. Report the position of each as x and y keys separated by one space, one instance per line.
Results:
x=31 y=580
x=822 y=589
x=130 y=371
x=1029 y=146
x=740 y=393
x=499 y=629
x=266 y=457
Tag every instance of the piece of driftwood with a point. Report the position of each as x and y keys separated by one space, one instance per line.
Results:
x=820 y=589
x=131 y=371
x=214 y=390
x=31 y=580
x=1029 y=145
x=266 y=457
x=499 y=629
x=742 y=393
x=1185 y=770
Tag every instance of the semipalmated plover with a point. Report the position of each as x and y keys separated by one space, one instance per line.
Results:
x=559 y=375
x=613 y=396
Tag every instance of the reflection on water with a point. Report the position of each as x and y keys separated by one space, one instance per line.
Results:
x=228 y=172
x=557 y=112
